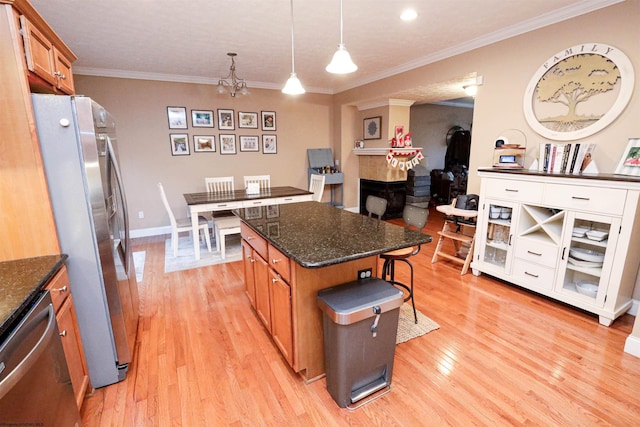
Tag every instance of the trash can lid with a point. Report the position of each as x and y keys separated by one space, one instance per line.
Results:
x=354 y=301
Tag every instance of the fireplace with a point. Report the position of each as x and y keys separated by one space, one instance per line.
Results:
x=393 y=191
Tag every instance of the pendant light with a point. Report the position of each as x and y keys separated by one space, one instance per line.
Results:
x=341 y=62
x=293 y=85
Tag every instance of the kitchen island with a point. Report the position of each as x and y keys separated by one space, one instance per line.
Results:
x=292 y=251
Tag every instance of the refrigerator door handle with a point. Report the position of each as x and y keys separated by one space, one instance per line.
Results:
x=125 y=213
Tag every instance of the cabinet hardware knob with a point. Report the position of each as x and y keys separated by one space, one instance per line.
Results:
x=529 y=274
x=249 y=237
x=62 y=289
x=273 y=280
x=63 y=333
x=275 y=261
x=534 y=253
x=253 y=260
x=510 y=190
x=580 y=198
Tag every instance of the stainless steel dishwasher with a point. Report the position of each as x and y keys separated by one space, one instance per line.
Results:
x=35 y=387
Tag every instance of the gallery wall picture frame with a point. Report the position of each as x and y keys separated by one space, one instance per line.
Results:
x=371 y=129
x=247 y=120
x=268 y=120
x=177 y=117
x=179 y=144
x=226 y=120
x=629 y=163
x=227 y=143
x=249 y=143
x=202 y=118
x=269 y=144
x=204 y=144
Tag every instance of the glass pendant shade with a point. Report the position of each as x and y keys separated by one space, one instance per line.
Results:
x=341 y=62
x=293 y=86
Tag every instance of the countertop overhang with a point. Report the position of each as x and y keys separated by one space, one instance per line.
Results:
x=316 y=235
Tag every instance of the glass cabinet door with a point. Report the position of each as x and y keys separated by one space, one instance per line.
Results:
x=496 y=249
x=588 y=245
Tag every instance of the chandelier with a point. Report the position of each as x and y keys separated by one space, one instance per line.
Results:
x=232 y=81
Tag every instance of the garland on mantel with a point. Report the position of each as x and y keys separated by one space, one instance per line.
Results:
x=404 y=164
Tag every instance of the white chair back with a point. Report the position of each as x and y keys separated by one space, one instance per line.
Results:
x=165 y=202
x=316 y=186
x=221 y=184
x=263 y=181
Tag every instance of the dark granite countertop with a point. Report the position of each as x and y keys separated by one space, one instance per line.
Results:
x=315 y=235
x=20 y=282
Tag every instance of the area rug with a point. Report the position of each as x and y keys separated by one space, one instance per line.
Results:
x=138 y=263
x=408 y=329
x=186 y=258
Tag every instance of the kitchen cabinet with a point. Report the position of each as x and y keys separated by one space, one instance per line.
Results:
x=266 y=281
x=26 y=224
x=62 y=299
x=559 y=234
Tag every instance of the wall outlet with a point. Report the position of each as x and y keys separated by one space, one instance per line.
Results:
x=141 y=214
x=364 y=274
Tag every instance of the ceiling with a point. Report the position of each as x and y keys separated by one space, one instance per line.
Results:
x=187 y=41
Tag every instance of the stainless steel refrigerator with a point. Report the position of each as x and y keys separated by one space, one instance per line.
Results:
x=78 y=143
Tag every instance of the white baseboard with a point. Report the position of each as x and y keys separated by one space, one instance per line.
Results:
x=632 y=345
x=634 y=307
x=147 y=232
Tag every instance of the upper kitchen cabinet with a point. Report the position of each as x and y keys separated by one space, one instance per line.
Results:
x=26 y=224
x=48 y=59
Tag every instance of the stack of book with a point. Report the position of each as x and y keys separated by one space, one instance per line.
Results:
x=564 y=158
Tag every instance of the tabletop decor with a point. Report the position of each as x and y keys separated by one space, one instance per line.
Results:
x=629 y=163
x=403 y=143
x=578 y=91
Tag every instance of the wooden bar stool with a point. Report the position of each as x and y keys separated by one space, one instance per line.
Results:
x=456 y=219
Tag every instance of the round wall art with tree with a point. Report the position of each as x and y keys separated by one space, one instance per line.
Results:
x=578 y=91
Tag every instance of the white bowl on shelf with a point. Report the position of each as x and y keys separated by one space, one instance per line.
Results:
x=589 y=289
x=579 y=231
x=586 y=254
x=597 y=235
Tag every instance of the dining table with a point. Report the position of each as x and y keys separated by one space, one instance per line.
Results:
x=199 y=203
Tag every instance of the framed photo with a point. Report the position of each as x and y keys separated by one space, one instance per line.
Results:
x=629 y=163
x=225 y=120
x=372 y=127
x=269 y=144
x=247 y=120
x=179 y=144
x=227 y=144
x=177 y=117
x=202 y=118
x=249 y=143
x=204 y=143
x=273 y=211
x=268 y=120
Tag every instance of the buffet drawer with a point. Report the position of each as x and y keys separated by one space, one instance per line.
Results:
x=601 y=200
x=280 y=263
x=532 y=275
x=537 y=253
x=226 y=206
x=258 y=243
x=530 y=192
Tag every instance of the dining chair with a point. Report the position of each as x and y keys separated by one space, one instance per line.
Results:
x=376 y=206
x=415 y=217
x=316 y=186
x=183 y=224
x=223 y=227
x=219 y=184
x=264 y=181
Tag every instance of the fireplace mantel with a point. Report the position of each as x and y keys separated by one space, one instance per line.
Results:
x=383 y=151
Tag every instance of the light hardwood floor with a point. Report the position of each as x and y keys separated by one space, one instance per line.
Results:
x=502 y=356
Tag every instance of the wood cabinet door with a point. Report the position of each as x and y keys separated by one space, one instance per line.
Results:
x=281 y=315
x=73 y=351
x=248 y=260
x=261 y=275
x=63 y=72
x=38 y=52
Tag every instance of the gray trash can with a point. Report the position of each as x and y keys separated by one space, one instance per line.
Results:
x=360 y=321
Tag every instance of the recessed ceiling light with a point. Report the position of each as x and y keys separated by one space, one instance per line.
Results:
x=409 y=15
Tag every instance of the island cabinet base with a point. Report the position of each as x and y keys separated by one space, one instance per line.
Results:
x=308 y=337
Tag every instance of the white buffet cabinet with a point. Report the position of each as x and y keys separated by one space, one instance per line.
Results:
x=532 y=232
